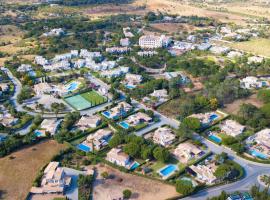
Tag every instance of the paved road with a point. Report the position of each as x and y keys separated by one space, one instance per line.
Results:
x=252 y=170
x=72 y=191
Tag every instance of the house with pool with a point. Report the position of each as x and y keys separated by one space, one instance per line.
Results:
x=54 y=181
x=118 y=157
x=163 y=136
x=50 y=126
x=135 y=120
x=209 y=118
x=259 y=144
x=132 y=80
x=156 y=98
x=121 y=110
x=186 y=152
x=88 y=121
x=96 y=141
x=232 y=128
x=204 y=172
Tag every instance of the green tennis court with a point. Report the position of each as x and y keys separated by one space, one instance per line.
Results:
x=85 y=100
x=78 y=102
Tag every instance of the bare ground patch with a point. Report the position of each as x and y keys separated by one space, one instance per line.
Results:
x=18 y=174
x=233 y=107
x=141 y=188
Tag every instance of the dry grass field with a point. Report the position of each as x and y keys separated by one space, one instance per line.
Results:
x=234 y=107
x=256 y=46
x=141 y=188
x=18 y=174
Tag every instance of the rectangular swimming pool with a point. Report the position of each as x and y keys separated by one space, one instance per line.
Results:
x=83 y=147
x=134 y=166
x=215 y=139
x=124 y=125
x=106 y=114
x=258 y=154
x=213 y=117
x=168 y=170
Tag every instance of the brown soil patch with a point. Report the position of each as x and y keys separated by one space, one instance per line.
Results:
x=18 y=174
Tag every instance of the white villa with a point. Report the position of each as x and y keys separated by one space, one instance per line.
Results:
x=54 y=32
x=160 y=94
x=132 y=79
x=205 y=173
x=87 y=121
x=187 y=151
x=117 y=50
x=118 y=157
x=124 y=42
x=152 y=41
x=163 y=136
x=147 y=53
x=232 y=128
x=25 y=68
x=6 y=119
x=99 y=139
x=253 y=82
x=262 y=137
x=219 y=49
x=234 y=54
x=54 y=180
x=138 y=118
x=115 y=72
x=255 y=59
x=127 y=32
x=120 y=110
x=50 y=125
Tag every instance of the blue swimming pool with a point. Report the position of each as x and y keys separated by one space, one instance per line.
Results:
x=130 y=86
x=258 y=154
x=83 y=147
x=168 y=170
x=124 y=125
x=72 y=86
x=38 y=133
x=106 y=114
x=134 y=166
x=215 y=138
x=213 y=117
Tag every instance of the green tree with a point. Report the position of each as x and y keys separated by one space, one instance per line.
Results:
x=184 y=187
x=132 y=149
x=222 y=171
x=127 y=194
x=161 y=154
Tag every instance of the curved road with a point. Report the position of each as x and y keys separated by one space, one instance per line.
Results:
x=252 y=169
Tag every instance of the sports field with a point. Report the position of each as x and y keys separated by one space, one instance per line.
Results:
x=85 y=100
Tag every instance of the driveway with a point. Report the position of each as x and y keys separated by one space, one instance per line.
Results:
x=72 y=191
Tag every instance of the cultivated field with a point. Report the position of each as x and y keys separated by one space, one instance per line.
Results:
x=141 y=188
x=18 y=170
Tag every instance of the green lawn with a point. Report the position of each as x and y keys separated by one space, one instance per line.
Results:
x=94 y=98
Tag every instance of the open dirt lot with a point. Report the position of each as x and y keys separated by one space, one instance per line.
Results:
x=17 y=174
x=234 y=107
x=141 y=188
